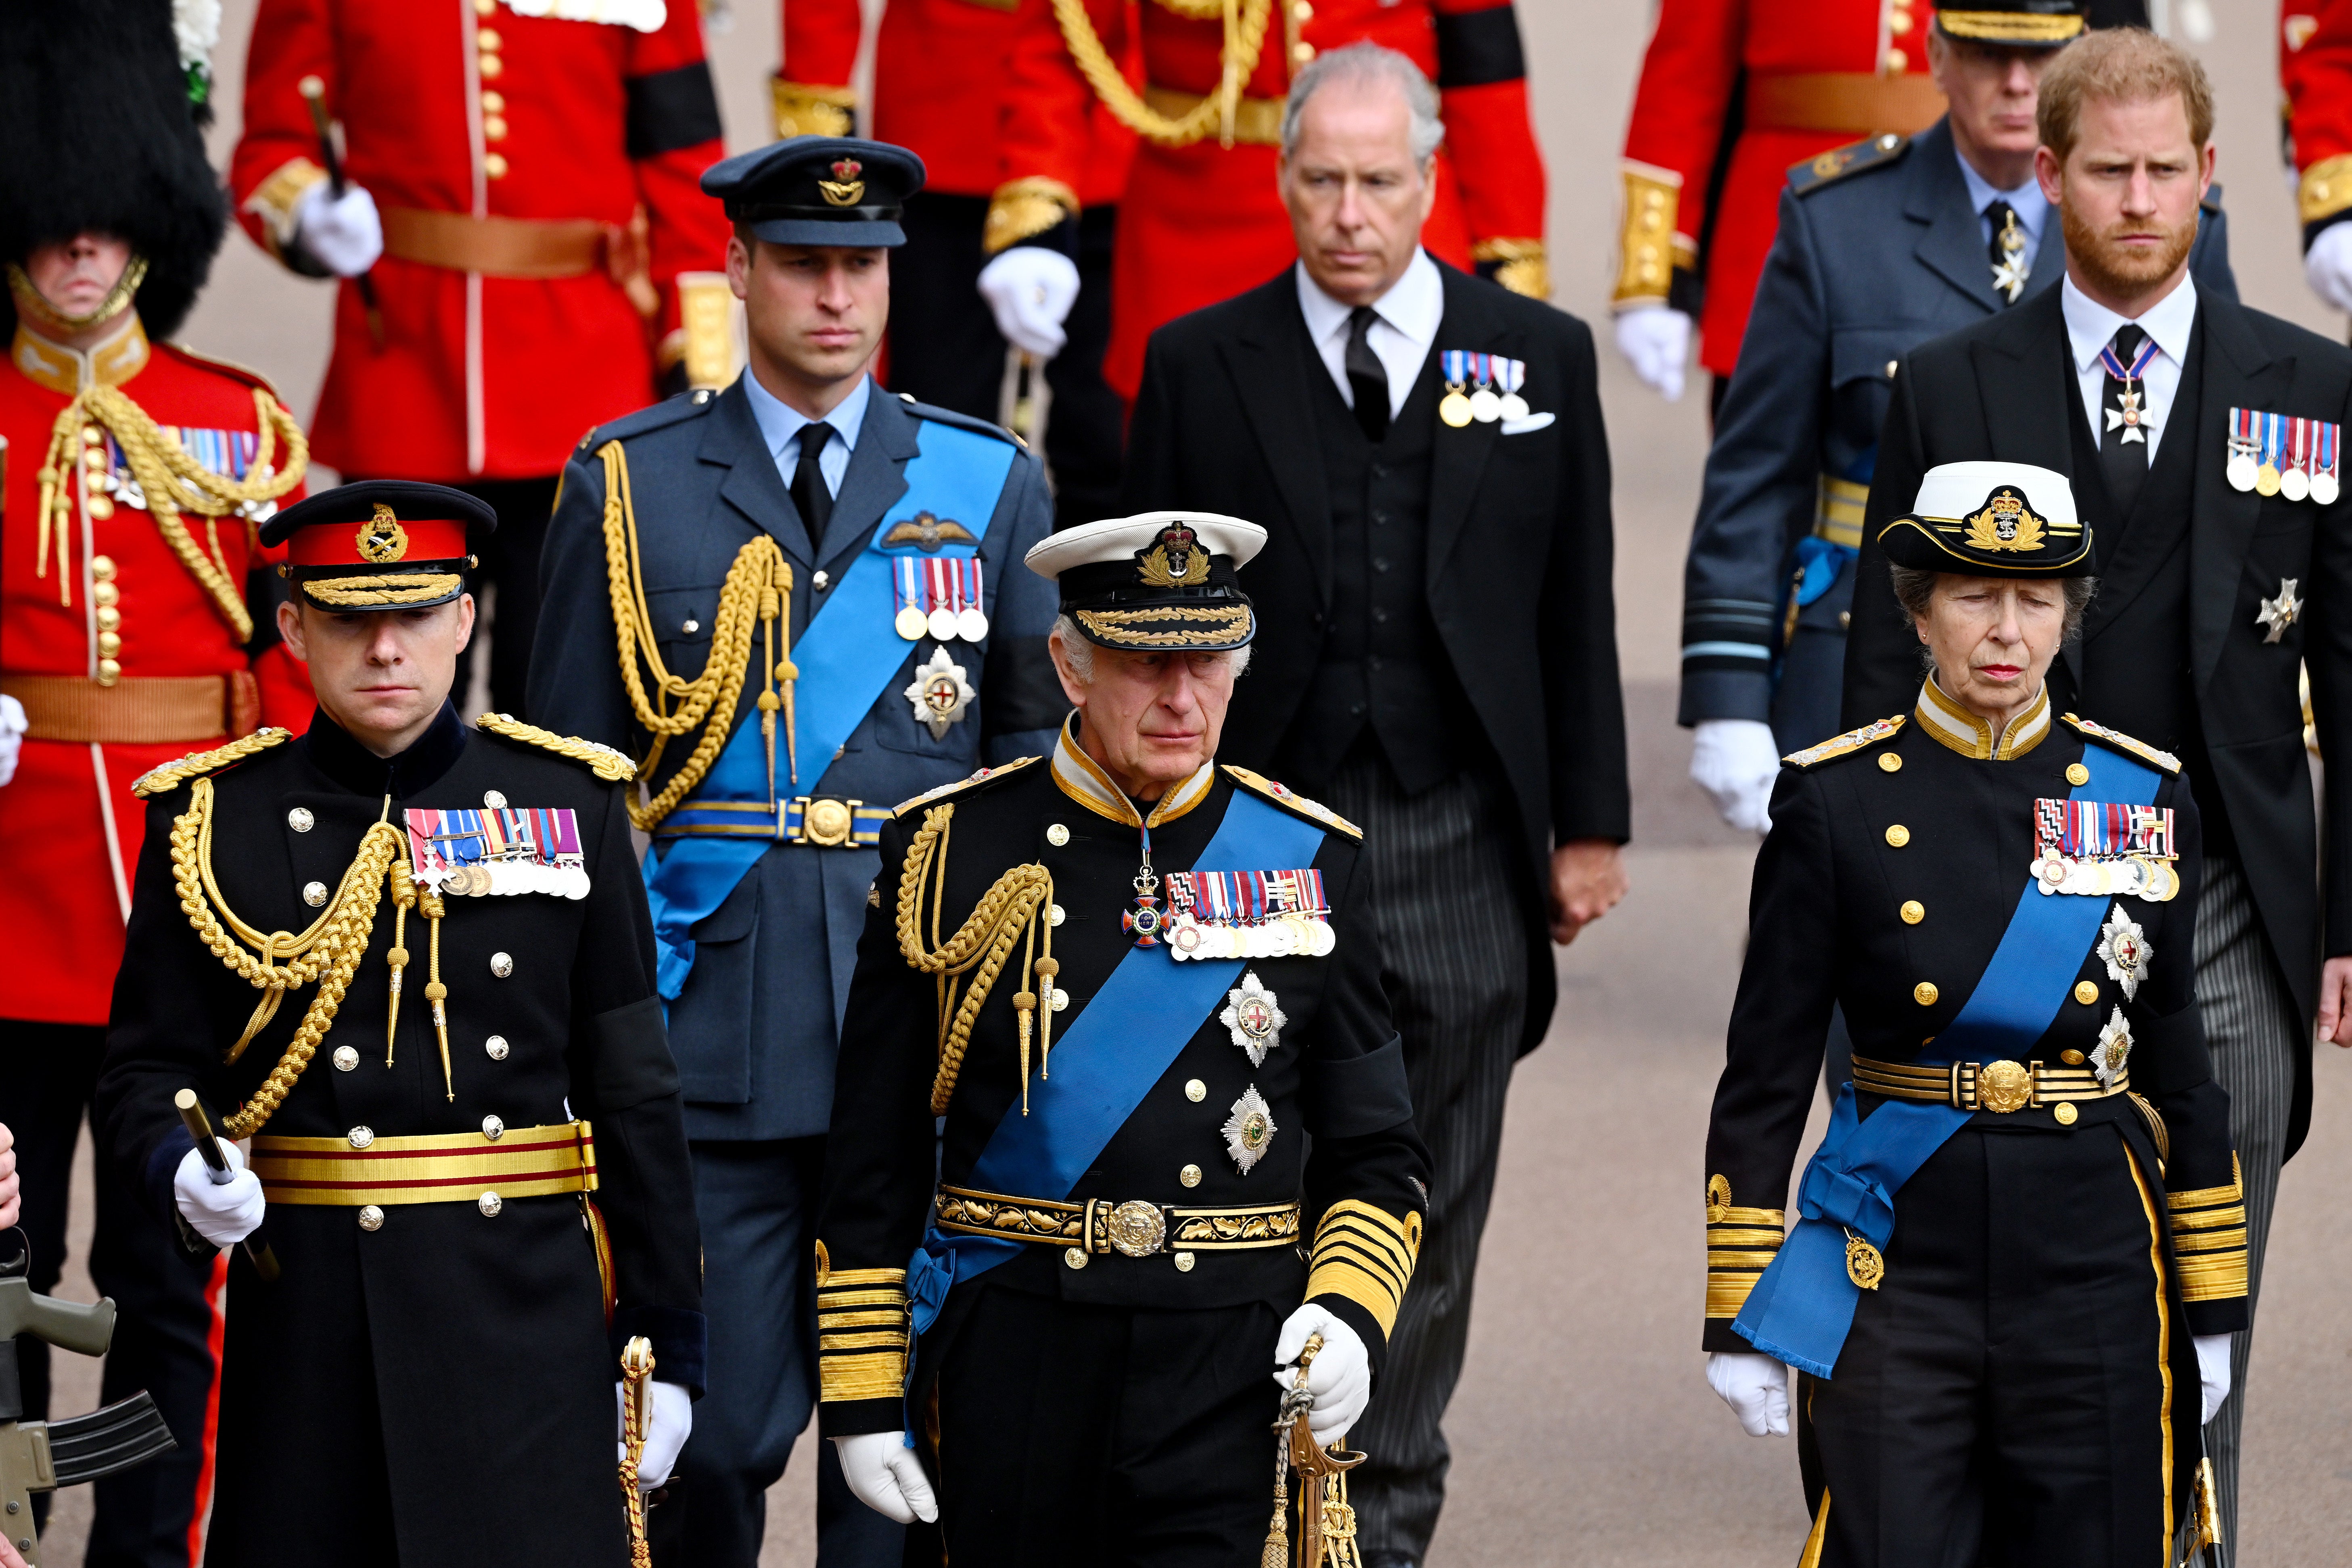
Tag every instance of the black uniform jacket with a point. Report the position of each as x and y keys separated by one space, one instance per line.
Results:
x=1335 y=1080
x=2003 y=390
x=1518 y=574
x=454 y=1365
x=1855 y=848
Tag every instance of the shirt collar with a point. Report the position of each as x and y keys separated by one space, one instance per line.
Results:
x=2091 y=326
x=1413 y=304
x=66 y=371
x=780 y=424
x=1084 y=781
x=1954 y=726
x=353 y=766
x=2027 y=201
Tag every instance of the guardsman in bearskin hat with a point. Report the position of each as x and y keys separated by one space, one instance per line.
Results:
x=1138 y=987
x=132 y=627
x=410 y=960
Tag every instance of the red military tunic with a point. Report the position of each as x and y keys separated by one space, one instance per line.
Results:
x=2315 y=76
x=85 y=636
x=1818 y=74
x=592 y=134
x=1203 y=222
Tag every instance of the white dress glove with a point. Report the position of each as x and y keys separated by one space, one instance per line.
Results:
x=224 y=1214
x=2328 y=265
x=1031 y=288
x=1737 y=762
x=344 y=236
x=1655 y=341
x=1341 y=1378
x=2214 y=1362
x=1755 y=1386
x=12 y=736
x=886 y=1476
x=669 y=1416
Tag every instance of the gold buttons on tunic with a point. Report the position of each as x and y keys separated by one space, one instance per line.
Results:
x=1896 y=62
x=1898 y=836
x=497 y=1047
x=1925 y=993
x=1189 y=1175
x=300 y=820
x=371 y=1217
x=2085 y=991
x=2072 y=1059
x=2076 y=774
x=1057 y=836
x=493 y=1129
x=1076 y=1257
x=494 y=165
x=494 y=128
x=314 y=893
x=1914 y=912
x=346 y=1058
x=1196 y=1091
x=1183 y=1263
x=2065 y=1113
x=361 y=1137
x=488 y=38
x=109 y=672
x=1888 y=763
x=490 y=1204
x=501 y=965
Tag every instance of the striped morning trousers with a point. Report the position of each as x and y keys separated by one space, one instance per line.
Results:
x=1454 y=959
x=2251 y=1029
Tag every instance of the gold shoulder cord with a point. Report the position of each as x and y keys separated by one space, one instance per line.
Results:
x=171 y=482
x=757 y=588
x=1007 y=912
x=1245 y=39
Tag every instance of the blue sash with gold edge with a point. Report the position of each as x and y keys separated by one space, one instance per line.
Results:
x=847 y=659
x=1802 y=1310
x=1106 y=1061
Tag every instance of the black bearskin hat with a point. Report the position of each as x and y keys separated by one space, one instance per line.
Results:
x=100 y=134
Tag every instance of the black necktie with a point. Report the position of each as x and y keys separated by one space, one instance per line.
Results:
x=1368 y=376
x=809 y=494
x=2007 y=251
x=2123 y=438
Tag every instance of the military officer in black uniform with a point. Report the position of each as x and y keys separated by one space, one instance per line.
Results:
x=411 y=961
x=2021 y=1248
x=1138 y=986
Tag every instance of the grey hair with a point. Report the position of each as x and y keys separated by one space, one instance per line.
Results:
x=1915 y=588
x=1081 y=652
x=1368 y=62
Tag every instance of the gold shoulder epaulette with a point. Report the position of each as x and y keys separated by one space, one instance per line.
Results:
x=983 y=776
x=1283 y=794
x=606 y=764
x=2120 y=741
x=1853 y=741
x=196 y=764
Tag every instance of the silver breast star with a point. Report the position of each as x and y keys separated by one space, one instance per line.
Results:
x=2280 y=613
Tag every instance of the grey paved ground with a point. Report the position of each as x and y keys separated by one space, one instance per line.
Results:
x=1583 y=1433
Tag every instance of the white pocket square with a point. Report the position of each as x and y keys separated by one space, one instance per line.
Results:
x=1521 y=427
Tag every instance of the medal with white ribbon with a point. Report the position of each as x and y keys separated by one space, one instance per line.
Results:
x=1511 y=374
x=1454 y=407
x=2326 y=454
x=1486 y=406
x=2294 y=478
x=972 y=624
x=2244 y=449
x=911 y=598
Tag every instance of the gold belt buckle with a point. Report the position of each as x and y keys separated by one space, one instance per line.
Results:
x=2003 y=1087
x=826 y=822
x=1136 y=1229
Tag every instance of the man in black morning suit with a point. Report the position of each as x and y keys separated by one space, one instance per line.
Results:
x=2210 y=597
x=1439 y=662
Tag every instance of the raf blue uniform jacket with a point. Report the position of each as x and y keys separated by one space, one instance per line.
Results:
x=1868 y=263
x=756 y=1029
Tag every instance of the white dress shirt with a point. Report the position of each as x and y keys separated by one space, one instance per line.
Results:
x=2091 y=326
x=2032 y=207
x=1402 y=336
x=781 y=425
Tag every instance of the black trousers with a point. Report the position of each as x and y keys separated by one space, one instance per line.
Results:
x=944 y=346
x=164 y=1300
x=2020 y=1390
x=510 y=561
x=1111 y=1437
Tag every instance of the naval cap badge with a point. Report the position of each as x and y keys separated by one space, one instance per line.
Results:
x=1175 y=560
x=2006 y=523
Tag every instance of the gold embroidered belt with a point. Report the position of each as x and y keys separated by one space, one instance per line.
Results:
x=1257 y=122
x=1846 y=103
x=1134 y=1229
x=137 y=710
x=821 y=820
x=1838 y=518
x=477 y=1168
x=1999 y=1087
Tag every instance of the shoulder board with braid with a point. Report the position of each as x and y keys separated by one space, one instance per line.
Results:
x=196 y=764
x=1284 y=796
x=959 y=785
x=1822 y=170
x=602 y=760
x=2116 y=739
x=1845 y=745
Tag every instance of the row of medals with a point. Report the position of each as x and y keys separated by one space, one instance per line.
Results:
x=2245 y=473
x=1277 y=936
x=1485 y=406
x=2132 y=875
x=941 y=624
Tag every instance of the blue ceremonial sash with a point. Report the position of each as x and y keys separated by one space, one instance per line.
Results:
x=1121 y=1045
x=847 y=659
x=1802 y=1309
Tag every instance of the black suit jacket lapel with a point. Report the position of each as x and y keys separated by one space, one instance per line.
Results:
x=732 y=438
x=2021 y=372
x=888 y=440
x=1461 y=455
x=1269 y=362
x=2238 y=373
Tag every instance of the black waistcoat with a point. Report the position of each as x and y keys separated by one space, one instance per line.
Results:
x=2135 y=657
x=1382 y=668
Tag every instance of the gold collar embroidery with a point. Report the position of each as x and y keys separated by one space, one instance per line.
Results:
x=1084 y=781
x=65 y=370
x=1954 y=726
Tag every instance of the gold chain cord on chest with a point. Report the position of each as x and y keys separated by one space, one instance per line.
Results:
x=1244 y=40
x=1016 y=908
x=758 y=591
x=172 y=483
